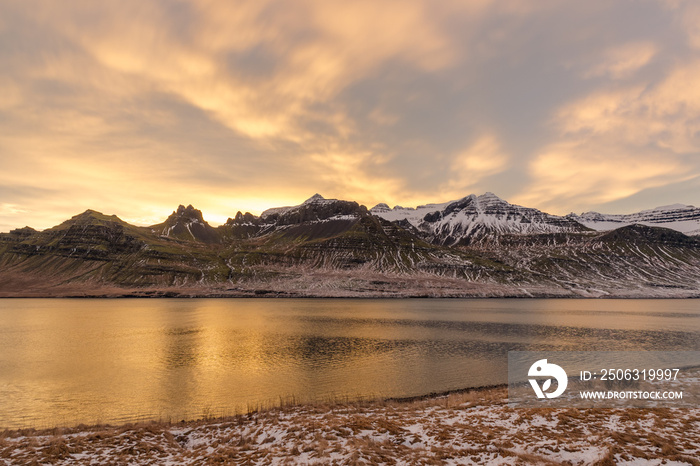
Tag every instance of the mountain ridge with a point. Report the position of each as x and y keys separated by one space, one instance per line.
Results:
x=679 y=217
x=475 y=246
x=477 y=218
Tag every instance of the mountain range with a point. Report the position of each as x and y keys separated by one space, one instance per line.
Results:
x=479 y=246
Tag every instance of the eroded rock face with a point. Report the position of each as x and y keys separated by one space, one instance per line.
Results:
x=96 y=242
x=18 y=234
x=187 y=224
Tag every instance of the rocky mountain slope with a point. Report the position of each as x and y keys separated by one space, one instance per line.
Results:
x=632 y=261
x=477 y=246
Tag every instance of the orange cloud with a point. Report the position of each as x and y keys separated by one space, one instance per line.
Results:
x=615 y=143
x=11 y=94
x=346 y=41
x=356 y=175
x=107 y=104
x=688 y=12
x=483 y=158
x=622 y=61
x=666 y=115
x=578 y=174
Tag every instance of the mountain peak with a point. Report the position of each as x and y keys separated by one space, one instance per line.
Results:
x=188 y=212
x=315 y=198
x=93 y=216
x=381 y=207
x=315 y=208
x=489 y=197
x=187 y=223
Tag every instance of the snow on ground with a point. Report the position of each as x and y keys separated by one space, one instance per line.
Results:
x=475 y=427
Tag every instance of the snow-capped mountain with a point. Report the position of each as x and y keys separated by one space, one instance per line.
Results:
x=474 y=218
x=679 y=217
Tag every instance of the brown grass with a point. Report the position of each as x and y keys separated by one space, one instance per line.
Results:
x=475 y=427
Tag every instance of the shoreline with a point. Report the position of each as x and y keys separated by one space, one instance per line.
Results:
x=263 y=407
x=173 y=295
x=474 y=426
x=331 y=285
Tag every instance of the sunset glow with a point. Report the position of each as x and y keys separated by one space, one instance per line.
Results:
x=133 y=107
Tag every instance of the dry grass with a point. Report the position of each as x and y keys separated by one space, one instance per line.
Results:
x=475 y=427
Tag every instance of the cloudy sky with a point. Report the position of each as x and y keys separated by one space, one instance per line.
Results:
x=132 y=107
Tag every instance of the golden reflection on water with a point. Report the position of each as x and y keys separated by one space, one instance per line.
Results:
x=64 y=362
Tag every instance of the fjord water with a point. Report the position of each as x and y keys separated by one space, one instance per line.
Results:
x=71 y=361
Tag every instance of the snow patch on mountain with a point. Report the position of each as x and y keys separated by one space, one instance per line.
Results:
x=679 y=217
x=413 y=214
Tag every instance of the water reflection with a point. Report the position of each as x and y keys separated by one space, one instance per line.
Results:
x=71 y=361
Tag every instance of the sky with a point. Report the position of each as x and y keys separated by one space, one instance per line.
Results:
x=132 y=107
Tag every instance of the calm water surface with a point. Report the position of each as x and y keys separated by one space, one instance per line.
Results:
x=64 y=361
